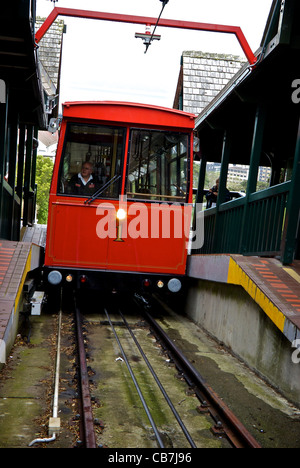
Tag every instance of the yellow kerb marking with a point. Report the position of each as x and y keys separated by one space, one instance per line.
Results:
x=26 y=270
x=293 y=274
x=237 y=276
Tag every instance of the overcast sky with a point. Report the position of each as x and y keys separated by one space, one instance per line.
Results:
x=103 y=60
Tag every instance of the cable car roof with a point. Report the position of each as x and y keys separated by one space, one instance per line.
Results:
x=129 y=113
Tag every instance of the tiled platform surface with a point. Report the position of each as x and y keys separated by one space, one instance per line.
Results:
x=16 y=260
x=13 y=259
x=275 y=288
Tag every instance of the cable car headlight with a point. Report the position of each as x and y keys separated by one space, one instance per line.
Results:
x=55 y=278
x=69 y=278
x=174 y=285
x=121 y=214
x=160 y=284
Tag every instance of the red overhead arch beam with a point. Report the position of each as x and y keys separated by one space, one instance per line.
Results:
x=120 y=18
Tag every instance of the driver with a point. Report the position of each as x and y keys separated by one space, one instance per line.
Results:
x=85 y=182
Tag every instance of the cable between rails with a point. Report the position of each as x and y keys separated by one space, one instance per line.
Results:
x=157 y=435
x=173 y=409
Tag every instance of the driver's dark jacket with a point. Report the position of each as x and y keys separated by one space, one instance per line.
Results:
x=77 y=187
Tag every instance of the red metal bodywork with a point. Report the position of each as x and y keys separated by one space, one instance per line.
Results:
x=72 y=240
x=116 y=17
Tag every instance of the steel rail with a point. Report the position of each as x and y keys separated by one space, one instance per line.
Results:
x=87 y=413
x=151 y=420
x=175 y=413
x=243 y=434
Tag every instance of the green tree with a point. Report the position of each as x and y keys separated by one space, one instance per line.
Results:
x=44 y=169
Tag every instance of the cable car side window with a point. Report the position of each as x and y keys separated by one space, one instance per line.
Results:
x=92 y=157
x=158 y=166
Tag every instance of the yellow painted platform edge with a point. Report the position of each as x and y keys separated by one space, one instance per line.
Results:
x=26 y=270
x=293 y=274
x=237 y=276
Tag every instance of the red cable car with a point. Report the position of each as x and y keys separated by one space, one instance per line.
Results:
x=121 y=196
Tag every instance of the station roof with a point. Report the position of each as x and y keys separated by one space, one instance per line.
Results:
x=18 y=61
x=268 y=83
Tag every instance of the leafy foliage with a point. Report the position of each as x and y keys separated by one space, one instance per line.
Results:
x=44 y=169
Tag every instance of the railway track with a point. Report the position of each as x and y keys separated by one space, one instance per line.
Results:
x=117 y=417
x=225 y=425
x=87 y=419
x=112 y=412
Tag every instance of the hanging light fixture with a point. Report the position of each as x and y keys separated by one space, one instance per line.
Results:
x=147 y=36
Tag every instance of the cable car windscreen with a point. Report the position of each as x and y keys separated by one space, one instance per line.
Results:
x=158 y=166
x=92 y=157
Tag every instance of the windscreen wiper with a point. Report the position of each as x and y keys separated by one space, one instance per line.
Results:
x=101 y=190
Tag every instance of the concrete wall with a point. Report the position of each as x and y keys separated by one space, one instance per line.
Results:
x=230 y=315
x=11 y=332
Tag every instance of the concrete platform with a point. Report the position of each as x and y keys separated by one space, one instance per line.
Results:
x=276 y=289
x=252 y=306
x=17 y=259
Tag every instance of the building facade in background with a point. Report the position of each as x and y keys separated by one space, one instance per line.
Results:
x=202 y=76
